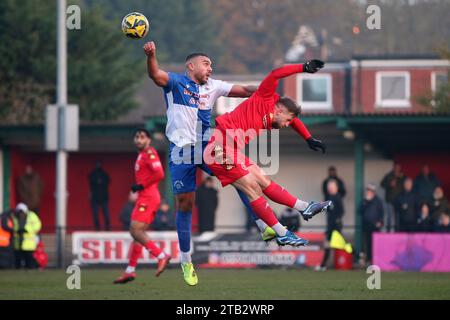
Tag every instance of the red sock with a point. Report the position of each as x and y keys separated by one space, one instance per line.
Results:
x=152 y=248
x=280 y=195
x=135 y=254
x=264 y=211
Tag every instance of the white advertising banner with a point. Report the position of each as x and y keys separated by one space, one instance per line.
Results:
x=113 y=247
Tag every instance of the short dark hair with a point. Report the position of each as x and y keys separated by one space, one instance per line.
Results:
x=291 y=105
x=196 y=54
x=142 y=130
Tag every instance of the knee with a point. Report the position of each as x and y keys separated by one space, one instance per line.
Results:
x=253 y=190
x=135 y=230
x=259 y=175
x=264 y=182
x=185 y=202
x=132 y=230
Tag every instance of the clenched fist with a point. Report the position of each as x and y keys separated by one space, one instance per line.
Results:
x=150 y=48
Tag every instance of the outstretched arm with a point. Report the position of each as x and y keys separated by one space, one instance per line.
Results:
x=159 y=76
x=270 y=83
x=242 y=91
x=301 y=129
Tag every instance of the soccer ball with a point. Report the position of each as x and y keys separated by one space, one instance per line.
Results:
x=135 y=25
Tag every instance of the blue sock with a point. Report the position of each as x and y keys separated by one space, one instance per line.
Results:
x=184 y=221
x=246 y=202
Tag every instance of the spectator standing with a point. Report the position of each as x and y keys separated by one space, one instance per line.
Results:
x=6 y=237
x=26 y=228
x=30 y=188
x=425 y=183
x=332 y=175
x=392 y=183
x=407 y=207
x=99 y=196
x=206 y=200
x=334 y=218
x=372 y=212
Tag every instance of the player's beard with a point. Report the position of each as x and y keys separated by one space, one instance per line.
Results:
x=203 y=80
x=141 y=147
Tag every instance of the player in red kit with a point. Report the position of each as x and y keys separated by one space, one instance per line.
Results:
x=264 y=110
x=148 y=172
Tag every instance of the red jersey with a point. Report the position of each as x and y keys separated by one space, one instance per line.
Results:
x=257 y=111
x=148 y=172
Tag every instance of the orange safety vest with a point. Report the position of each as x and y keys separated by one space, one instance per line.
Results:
x=5 y=236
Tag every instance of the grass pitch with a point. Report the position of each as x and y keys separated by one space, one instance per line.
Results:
x=97 y=284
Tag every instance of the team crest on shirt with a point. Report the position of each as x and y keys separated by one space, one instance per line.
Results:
x=151 y=154
x=218 y=154
x=265 y=123
x=178 y=184
x=218 y=151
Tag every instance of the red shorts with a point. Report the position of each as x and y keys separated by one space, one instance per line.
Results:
x=145 y=210
x=226 y=161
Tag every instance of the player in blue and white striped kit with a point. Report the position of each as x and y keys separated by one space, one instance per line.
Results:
x=189 y=98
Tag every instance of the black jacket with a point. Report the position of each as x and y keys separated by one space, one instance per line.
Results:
x=372 y=211
x=206 y=200
x=335 y=213
x=99 y=182
x=406 y=207
x=392 y=192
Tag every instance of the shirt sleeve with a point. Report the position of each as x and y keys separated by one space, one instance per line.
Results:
x=300 y=128
x=171 y=82
x=155 y=168
x=270 y=83
x=223 y=88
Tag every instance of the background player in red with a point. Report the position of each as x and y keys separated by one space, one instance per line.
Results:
x=264 y=110
x=149 y=172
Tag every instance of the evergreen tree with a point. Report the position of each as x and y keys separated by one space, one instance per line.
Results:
x=102 y=72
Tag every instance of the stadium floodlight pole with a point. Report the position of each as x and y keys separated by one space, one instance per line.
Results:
x=61 y=154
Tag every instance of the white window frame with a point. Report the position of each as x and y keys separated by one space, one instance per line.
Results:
x=433 y=79
x=393 y=103
x=308 y=105
x=228 y=104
